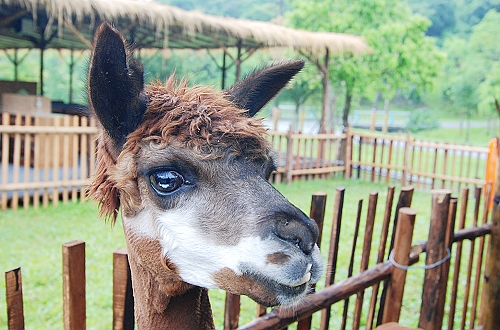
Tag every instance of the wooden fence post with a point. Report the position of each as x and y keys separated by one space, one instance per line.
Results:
x=333 y=250
x=406 y=170
x=14 y=297
x=404 y=200
x=401 y=256
x=231 y=311
x=123 y=298
x=433 y=293
x=74 y=307
x=491 y=288
x=289 y=156
x=317 y=213
x=348 y=151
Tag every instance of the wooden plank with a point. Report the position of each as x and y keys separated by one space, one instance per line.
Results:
x=85 y=151
x=350 y=269
x=491 y=289
x=441 y=145
x=289 y=157
x=381 y=165
x=402 y=247
x=16 y=163
x=468 y=277
x=5 y=157
x=74 y=305
x=123 y=298
x=434 y=279
x=321 y=170
x=37 y=145
x=27 y=162
x=14 y=297
x=381 y=253
x=231 y=311
x=479 y=262
x=47 y=129
x=365 y=256
x=404 y=200
x=46 y=147
x=65 y=160
x=47 y=184
x=450 y=178
x=317 y=213
x=333 y=250
x=56 y=161
x=458 y=258
x=74 y=173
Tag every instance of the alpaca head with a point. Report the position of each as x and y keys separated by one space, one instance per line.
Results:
x=189 y=166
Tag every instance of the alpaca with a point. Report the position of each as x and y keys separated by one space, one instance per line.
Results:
x=189 y=169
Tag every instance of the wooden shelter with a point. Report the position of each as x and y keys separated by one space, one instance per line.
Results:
x=70 y=24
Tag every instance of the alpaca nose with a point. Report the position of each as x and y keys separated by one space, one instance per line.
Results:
x=297 y=229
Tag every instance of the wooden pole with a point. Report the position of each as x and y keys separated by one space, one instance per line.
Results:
x=325 y=80
x=435 y=278
x=231 y=311
x=14 y=297
x=74 y=305
x=402 y=247
x=289 y=156
x=317 y=213
x=491 y=288
x=333 y=250
x=123 y=298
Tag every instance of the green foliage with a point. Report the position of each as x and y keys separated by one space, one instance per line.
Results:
x=420 y=121
x=403 y=58
x=262 y=10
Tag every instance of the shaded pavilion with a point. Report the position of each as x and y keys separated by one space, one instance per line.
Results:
x=70 y=24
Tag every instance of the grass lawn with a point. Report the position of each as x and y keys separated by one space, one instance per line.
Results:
x=32 y=239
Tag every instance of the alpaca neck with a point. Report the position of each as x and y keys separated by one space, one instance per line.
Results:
x=155 y=309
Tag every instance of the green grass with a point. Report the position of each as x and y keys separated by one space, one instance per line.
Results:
x=32 y=239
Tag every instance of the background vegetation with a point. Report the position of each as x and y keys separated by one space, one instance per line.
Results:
x=439 y=56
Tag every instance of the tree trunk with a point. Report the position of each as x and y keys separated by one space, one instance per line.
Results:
x=347 y=108
x=341 y=154
x=326 y=79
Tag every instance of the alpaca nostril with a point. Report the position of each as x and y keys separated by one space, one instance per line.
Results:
x=301 y=232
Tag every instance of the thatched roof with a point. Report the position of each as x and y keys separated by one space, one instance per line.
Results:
x=71 y=23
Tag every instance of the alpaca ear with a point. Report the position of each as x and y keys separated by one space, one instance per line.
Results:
x=115 y=85
x=253 y=92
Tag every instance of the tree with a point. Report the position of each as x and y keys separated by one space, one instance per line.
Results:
x=402 y=55
x=471 y=73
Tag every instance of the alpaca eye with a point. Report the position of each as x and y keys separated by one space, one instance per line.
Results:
x=165 y=182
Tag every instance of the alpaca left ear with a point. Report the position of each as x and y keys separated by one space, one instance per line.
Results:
x=256 y=90
x=115 y=85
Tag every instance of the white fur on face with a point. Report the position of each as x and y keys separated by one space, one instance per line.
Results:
x=198 y=258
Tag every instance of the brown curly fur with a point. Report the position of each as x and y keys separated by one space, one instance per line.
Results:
x=199 y=118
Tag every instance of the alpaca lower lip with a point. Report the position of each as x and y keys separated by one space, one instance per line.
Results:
x=304 y=280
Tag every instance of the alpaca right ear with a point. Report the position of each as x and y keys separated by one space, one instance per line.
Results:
x=256 y=90
x=115 y=85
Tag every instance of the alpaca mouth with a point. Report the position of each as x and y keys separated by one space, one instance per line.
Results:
x=306 y=278
x=277 y=293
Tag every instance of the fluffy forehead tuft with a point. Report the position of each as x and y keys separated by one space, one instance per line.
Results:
x=198 y=118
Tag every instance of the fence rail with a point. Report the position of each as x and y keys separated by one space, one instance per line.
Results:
x=45 y=159
x=382 y=158
x=349 y=299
